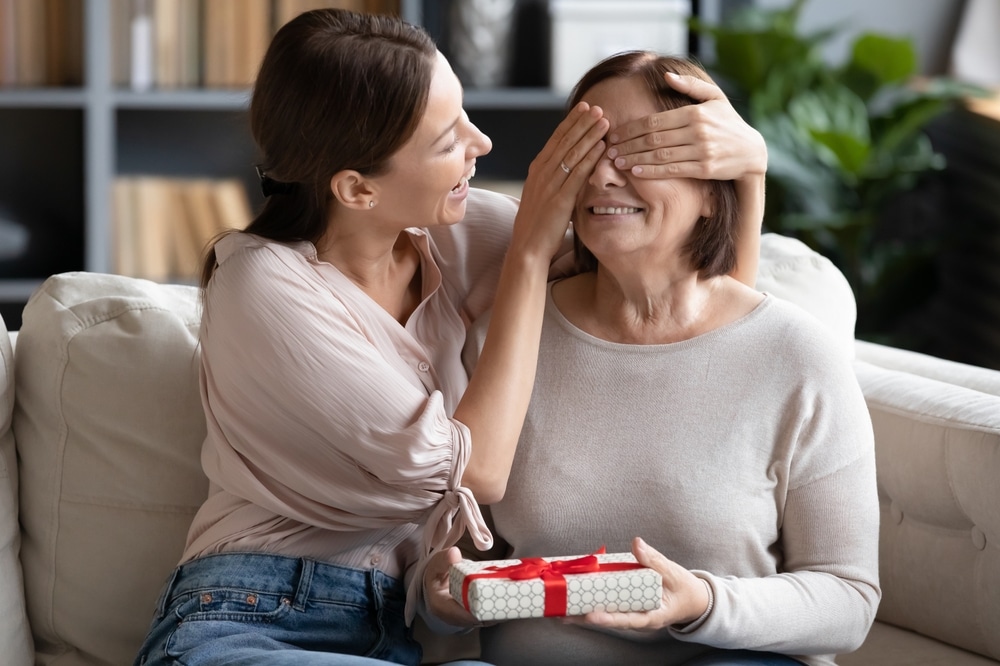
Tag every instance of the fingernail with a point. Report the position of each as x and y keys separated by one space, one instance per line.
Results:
x=613 y=153
x=620 y=162
x=637 y=170
x=673 y=75
x=613 y=138
x=642 y=544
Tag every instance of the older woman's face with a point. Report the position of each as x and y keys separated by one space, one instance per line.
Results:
x=619 y=216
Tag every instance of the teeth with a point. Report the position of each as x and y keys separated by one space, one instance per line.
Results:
x=462 y=182
x=607 y=210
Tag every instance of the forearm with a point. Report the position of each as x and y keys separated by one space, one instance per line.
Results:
x=496 y=401
x=826 y=600
x=750 y=194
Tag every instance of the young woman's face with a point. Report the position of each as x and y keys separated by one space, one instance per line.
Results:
x=428 y=178
x=618 y=215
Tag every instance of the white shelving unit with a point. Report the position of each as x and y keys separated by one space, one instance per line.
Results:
x=62 y=148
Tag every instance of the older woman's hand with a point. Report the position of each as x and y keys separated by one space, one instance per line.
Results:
x=685 y=596
x=706 y=140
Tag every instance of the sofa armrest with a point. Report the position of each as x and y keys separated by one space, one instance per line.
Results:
x=984 y=380
x=15 y=633
x=937 y=447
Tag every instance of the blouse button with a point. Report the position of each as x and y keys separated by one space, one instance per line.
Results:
x=375 y=560
x=423 y=366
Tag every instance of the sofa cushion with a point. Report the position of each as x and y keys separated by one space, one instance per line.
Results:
x=792 y=271
x=887 y=645
x=109 y=426
x=15 y=635
x=937 y=449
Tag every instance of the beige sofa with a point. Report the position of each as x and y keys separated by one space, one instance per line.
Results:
x=102 y=398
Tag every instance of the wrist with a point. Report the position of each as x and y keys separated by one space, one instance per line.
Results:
x=702 y=603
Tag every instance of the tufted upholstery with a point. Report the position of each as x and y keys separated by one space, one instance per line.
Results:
x=938 y=458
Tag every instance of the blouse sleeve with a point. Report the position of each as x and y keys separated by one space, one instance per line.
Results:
x=312 y=416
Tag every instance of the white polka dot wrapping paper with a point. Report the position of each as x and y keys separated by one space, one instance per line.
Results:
x=554 y=586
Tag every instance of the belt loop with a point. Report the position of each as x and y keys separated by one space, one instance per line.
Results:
x=375 y=584
x=305 y=582
x=161 y=603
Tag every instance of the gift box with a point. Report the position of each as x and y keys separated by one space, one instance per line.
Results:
x=554 y=586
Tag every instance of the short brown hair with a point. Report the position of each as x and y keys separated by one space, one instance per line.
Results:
x=711 y=248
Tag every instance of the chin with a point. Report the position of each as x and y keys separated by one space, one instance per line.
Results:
x=453 y=213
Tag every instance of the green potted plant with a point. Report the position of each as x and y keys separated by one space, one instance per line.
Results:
x=844 y=140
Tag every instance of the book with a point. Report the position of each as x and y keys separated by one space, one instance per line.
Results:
x=218 y=43
x=64 y=42
x=121 y=42
x=124 y=246
x=8 y=45
x=286 y=10
x=253 y=34
x=166 y=27
x=232 y=204
x=142 y=46
x=162 y=225
x=190 y=42
x=30 y=43
x=154 y=214
x=200 y=226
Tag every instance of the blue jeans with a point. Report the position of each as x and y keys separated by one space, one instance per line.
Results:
x=255 y=609
x=742 y=658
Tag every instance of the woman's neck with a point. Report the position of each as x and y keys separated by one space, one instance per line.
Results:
x=634 y=308
x=387 y=269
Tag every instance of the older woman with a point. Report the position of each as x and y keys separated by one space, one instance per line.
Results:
x=675 y=403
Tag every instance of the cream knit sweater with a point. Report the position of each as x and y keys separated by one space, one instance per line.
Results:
x=745 y=454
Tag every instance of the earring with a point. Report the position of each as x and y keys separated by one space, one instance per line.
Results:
x=371 y=204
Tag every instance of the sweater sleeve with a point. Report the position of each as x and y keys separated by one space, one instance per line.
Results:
x=824 y=596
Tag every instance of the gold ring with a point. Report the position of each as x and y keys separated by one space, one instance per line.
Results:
x=562 y=165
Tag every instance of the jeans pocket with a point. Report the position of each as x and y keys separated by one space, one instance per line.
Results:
x=215 y=614
x=225 y=621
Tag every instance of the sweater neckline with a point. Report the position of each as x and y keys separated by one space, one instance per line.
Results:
x=722 y=331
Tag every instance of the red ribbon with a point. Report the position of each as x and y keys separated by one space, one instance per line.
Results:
x=552 y=574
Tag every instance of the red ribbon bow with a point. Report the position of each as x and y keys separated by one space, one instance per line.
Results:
x=552 y=574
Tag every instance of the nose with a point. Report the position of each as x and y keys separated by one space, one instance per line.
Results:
x=479 y=143
x=606 y=174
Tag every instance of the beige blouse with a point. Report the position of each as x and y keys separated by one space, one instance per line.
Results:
x=330 y=429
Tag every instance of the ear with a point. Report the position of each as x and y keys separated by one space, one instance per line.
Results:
x=353 y=190
x=708 y=201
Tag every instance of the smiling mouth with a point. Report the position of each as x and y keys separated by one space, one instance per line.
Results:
x=465 y=181
x=614 y=210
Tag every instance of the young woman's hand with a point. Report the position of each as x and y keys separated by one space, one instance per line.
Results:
x=706 y=140
x=439 y=600
x=685 y=596
x=555 y=177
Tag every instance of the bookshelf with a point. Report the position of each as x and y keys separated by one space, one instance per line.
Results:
x=62 y=148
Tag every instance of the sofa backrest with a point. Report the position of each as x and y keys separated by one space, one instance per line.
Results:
x=108 y=426
x=937 y=450
x=15 y=634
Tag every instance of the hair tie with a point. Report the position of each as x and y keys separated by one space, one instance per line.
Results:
x=271 y=186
